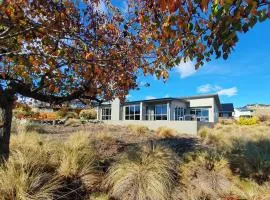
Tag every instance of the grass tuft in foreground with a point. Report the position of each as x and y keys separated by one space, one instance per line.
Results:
x=144 y=173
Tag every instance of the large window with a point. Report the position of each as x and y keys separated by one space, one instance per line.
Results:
x=106 y=113
x=179 y=113
x=132 y=112
x=157 y=112
x=201 y=114
x=161 y=112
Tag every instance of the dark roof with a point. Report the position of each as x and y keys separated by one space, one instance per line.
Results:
x=183 y=99
x=154 y=100
x=227 y=107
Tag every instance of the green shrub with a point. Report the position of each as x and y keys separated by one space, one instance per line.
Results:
x=248 y=121
x=88 y=114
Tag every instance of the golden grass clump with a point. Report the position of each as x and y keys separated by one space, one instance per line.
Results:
x=138 y=129
x=104 y=137
x=76 y=157
x=144 y=173
x=88 y=114
x=46 y=169
x=247 y=189
x=205 y=175
x=29 y=173
x=165 y=132
x=73 y=122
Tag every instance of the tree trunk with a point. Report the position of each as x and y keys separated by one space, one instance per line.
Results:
x=5 y=129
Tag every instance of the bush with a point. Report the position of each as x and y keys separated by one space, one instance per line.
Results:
x=77 y=160
x=138 y=129
x=145 y=173
x=165 y=132
x=46 y=170
x=72 y=115
x=23 y=111
x=73 y=122
x=88 y=114
x=263 y=118
x=248 y=121
x=226 y=121
x=255 y=159
x=247 y=189
x=29 y=173
x=205 y=175
x=20 y=178
x=204 y=132
x=62 y=113
x=104 y=137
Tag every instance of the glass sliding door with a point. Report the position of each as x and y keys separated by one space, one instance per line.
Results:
x=179 y=113
x=200 y=114
x=157 y=112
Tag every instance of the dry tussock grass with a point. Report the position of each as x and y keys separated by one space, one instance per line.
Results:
x=138 y=129
x=205 y=175
x=40 y=169
x=235 y=165
x=145 y=173
x=165 y=132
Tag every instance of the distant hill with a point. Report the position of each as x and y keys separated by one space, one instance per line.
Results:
x=259 y=109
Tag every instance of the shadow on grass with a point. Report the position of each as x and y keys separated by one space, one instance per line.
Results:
x=251 y=159
x=180 y=145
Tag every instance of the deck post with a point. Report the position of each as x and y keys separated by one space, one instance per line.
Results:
x=141 y=111
x=168 y=112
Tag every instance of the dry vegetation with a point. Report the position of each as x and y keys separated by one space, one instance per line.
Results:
x=99 y=162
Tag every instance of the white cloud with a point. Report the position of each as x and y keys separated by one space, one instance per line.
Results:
x=228 y=92
x=149 y=97
x=167 y=96
x=208 y=88
x=185 y=69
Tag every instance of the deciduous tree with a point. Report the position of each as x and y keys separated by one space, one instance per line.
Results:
x=56 y=51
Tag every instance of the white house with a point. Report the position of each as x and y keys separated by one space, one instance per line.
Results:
x=238 y=112
x=184 y=114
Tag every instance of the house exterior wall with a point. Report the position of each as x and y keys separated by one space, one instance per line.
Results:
x=182 y=127
x=206 y=102
x=175 y=104
x=118 y=111
x=239 y=113
x=115 y=106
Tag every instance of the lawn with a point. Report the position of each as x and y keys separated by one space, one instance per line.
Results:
x=101 y=162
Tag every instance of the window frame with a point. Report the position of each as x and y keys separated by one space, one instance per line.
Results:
x=133 y=112
x=106 y=113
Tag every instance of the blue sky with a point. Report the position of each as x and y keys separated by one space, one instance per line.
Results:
x=243 y=78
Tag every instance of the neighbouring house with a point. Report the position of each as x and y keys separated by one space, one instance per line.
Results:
x=242 y=112
x=227 y=110
x=184 y=114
